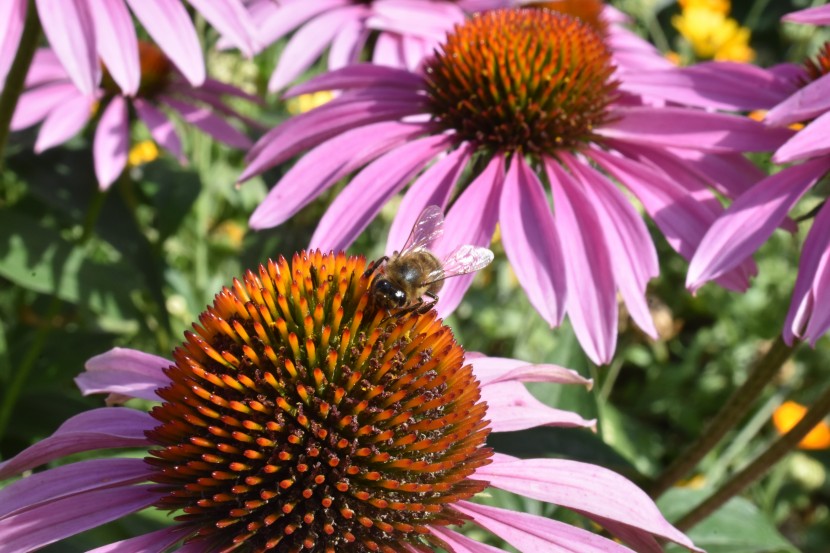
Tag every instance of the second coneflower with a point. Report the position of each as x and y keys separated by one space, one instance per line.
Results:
x=298 y=417
x=520 y=97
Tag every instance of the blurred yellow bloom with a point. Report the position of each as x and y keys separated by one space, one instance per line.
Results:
x=788 y=415
x=143 y=152
x=713 y=35
x=307 y=102
x=719 y=6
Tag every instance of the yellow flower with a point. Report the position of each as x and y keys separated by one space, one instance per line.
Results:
x=788 y=415
x=713 y=35
x=143 y=152
x=719 y=6
x=307 y=102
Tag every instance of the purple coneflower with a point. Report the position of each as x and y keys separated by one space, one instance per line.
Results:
x=297 y=416
x=514 y=98
x=753 y=217
x=51 y=98
x=83 y=31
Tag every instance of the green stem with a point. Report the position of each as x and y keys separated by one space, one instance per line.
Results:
x=95 y=205
x=733 y=411
x=16 y=78
x=761 y=465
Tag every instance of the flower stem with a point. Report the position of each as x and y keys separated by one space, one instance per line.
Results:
x=759 y=466
x=732 y=412
x=16 y=78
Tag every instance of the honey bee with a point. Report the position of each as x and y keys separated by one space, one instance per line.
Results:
x=414 y=272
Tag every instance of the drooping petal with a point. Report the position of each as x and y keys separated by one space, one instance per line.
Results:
x=111 y=145
x=698 y=130
x=362 y=75
x=388 y=50
x=46 y=68
x=511 y=407
x=490 y=370
x=812 y=269
x=12 y=16
x=347 y=45
x=531 y=241
x=117 y=42
x=592 y=299
x=358 y=204
x=210 y=123
x=161 y=128
x=230 y=18
x=107 y=427
x=433 y=187
x=64 y=122
x=461 y=543
x=69 y=480
x=71 y=33
x=415 y=17
x=309 y=129
x=532 y=533
x=325 y=165
x=309 y=42
x=66 y=517
x=124 y=371
x=585 y=488
x=169 y=24
x=811 y=141
x=750 y=221
x=633 y=255
x=819 y=15
x=160 y=540
x=729 y=174
x=805 y=104
x=471 y=220
x=280 y=20
x=820 y=317
x=34 y=105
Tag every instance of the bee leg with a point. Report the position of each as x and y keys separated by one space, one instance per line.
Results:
x=373 y=265
x=423 y=307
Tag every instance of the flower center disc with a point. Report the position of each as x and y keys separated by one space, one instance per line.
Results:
x=531 y=80
x=155 y=72
x=301 y=418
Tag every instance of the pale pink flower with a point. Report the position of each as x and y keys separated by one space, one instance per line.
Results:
x=566 y=122
x=374 y=444
x=84 y=33
x=52 y=99
x=752 y=217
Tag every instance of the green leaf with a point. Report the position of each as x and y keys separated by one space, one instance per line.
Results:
x=737 y=527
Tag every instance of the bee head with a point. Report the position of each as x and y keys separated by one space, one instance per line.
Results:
x=393 y=295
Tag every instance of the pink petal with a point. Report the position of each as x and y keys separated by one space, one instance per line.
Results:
x=12 y=16
x=160 y=540
x=461 y=543
x=471 y=220
x=819 y=15
x=71 y=33
x=107 y=427
x=65 y=121
x=169 y=24
x=415 y=17
x=325 y=165
x=511 y=407
x=358 y=204
x=718 y=85
x=811 y=141
x=433 y=187
x=68 y=480
x=314 y=127
x=362 y=75
x=695 y=129
x=46 y=68
x=729 y=174
x=347 y=45
x=230 y=18
x=491 y=370
x=161 y=128
x=279 y=20
x=124 y=371
x=71 y=515
x=592 y=298
x=531 y=241
x=388 y=51
x=117 y=43
x=111 y=145
x=205 y=120
x=807 y=103
x=633 y=255
x=811 y=283
x=34 y=105
x=308 y=43
x=532 y=533
x=585 y=488
x=750 y=220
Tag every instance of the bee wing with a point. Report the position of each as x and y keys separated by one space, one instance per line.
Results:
x=464 y=259
x=426 y=230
